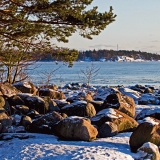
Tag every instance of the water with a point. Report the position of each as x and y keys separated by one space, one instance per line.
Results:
x=110 y=73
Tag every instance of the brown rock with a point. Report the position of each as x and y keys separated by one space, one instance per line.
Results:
x=5 y=120
x=120 y=102
x=145 y=132
x=76 y=128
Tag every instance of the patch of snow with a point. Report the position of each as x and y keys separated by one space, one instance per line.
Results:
x=48 y=147
x=149 y=120
x=77 y=103
x=109 y=112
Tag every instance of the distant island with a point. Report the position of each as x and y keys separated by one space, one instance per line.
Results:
x=112 y=55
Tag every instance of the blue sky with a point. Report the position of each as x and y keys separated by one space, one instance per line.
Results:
x=137 y=27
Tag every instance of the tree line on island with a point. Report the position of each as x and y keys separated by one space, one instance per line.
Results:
x=111 y=55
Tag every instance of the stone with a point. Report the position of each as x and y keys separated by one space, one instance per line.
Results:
x=120 y=102
x=124 y=122
x=149 y=112
x=25 y=121
x=79 y=108
x=76 y=128
x=149 y=151
x=148 y=131
x=8 y=90
x=108 y=129
x=34 y=102
x=26 y=87
x=52 y=93
x=5 y=120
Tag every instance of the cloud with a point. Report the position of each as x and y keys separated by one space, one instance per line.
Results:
x=103 y=46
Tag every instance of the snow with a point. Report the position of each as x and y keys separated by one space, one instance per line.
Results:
x=109 y=112
x=48 y=147
x=149 y=120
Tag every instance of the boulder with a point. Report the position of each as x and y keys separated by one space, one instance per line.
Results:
x=45 y=123
x=22 y=109
x=79 y=108
x=124 y=122
x=148 y=131
x=149 y=151
x=5 y=120
x=101 y=96
x=149 y=112
x=2 y=101
x=130 y=92
x=34 y=102
x=52 y=93
x=15 y=100
x=108 y=129
x=76 y=128
x=120 y=102
x=148 y=98
x=60 y=103
x=25 y=121
x=26 y=87
x=50 y=104
x=8 y=90
x=97 y=105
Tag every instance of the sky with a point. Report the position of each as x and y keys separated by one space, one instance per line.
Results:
x=137 y=27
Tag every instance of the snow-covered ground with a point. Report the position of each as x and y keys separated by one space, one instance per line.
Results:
x=49 y=147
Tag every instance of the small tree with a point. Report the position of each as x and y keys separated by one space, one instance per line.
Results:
x=89 y=73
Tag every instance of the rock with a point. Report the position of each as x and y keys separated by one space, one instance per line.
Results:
x=120 y=102
x=2 y=101
x=97 y=105
x=33 y=114
x=131 y=93
x=108 y=129
x=8 y=90
x=123 y=121
x=79 y=108
x=34 y=102
x=5 y=120
x=60 y=103
x=25 y=121
x=148 y=90
x=51 y=93
x=45 y=123
x=147 y=98
x=26 y=87
x=103 y=94
x=149 y=112
x=50 y=104
x=15 y=100
x=76 y=128
x=146 y=132
x=22 y=109
x=149 y=151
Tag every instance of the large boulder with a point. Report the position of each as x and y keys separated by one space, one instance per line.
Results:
x=8 y=90
x=52 y=93
x=148 y=131
x=120 y=102
x=26 y=87
x=45 y=123
x=34 y=102
x=124 y=122
x=79 y=108
x=76 y=128
x=149 y=151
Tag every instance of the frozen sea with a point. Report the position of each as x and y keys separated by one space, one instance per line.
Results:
x=110 y=73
